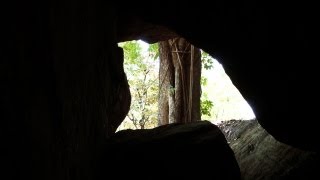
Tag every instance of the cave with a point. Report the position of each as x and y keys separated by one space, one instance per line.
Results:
x=64 y=91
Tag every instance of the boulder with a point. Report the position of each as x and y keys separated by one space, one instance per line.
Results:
x=195 y=150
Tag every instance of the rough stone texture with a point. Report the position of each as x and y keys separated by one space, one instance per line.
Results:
x=64 y=87
x=61 y=80
x=139 y=29
x=260 y=156
x=257 y=43
x=189 y=151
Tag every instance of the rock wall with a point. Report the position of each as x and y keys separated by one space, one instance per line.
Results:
x=266 y=49
x=260 y=156
x=65 y=90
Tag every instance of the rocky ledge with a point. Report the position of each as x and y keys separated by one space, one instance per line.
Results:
x=196 y=150
x=260 y=156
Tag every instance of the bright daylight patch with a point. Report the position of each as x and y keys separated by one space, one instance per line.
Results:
x=220 y=99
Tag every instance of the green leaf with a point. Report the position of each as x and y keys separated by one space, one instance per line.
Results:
x=206 y=60
x=154 y=50
x=206 y=106
x=142 y=75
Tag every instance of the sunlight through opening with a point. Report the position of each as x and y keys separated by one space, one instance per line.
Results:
x=220 y=98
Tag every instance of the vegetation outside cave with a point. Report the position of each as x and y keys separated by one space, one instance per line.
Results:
x=220 y=100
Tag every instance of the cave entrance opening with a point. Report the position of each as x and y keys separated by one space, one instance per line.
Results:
x=220 y=99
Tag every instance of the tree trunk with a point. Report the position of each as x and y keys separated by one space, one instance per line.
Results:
x=166 y=81
x=179 y=74
x=196 y=91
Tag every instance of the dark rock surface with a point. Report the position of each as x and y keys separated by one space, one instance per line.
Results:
x=196 y=150
x=63 y=89
x=257 y=44
x=260 y=156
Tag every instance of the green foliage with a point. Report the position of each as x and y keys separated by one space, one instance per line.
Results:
x=142 y=74
x=206 y=106
x=132 y=51
x=203 y=81
x=143 y=80
x=154 y=50
x=206 y=60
